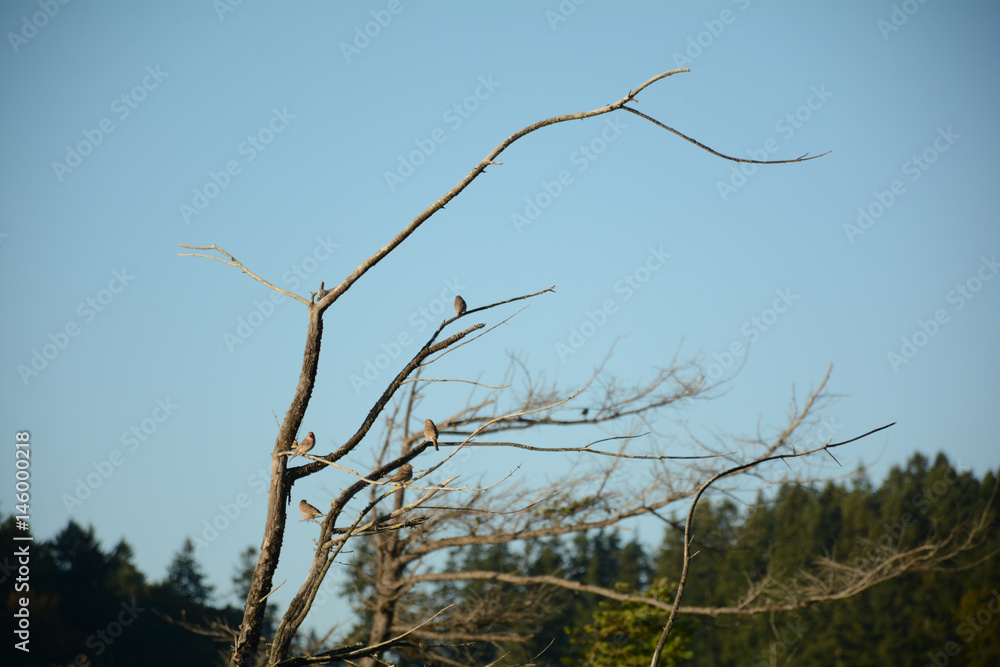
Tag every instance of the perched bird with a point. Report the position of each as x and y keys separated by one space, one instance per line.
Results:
x=431 y=433
x=460 y=306
x=403 y=475
x=307 y=444
x=308 y=511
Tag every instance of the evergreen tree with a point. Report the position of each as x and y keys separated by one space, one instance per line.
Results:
x=907 y=620
x=185 y=578
x=624 y=634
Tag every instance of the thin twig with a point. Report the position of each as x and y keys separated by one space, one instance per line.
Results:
x=235 y=262
x=697 y=143
x=690 y=520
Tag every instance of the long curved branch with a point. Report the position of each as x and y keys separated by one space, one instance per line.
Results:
x=802 y=158
x=919 y=559
x=690 y=521
x=424 y=215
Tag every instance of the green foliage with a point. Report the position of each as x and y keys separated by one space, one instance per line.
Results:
x=624 y=634
x=908 y=620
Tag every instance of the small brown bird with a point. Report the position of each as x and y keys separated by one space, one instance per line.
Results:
x=460 y=306
x=308 y=511
x=431 y=433
x=403 y=475
x=307 y=444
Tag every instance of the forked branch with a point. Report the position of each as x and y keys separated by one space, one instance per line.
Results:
x=246 y=646
x=232 y=261
x=690 y=520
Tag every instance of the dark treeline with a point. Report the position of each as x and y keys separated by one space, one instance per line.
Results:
x=94 y=607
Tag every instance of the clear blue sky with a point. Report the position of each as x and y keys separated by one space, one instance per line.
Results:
x=288 y=134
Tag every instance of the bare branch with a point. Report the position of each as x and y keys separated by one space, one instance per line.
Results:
x=539 y=405
x=587 y=450
x=234 y=262
x=490 y=159
x=694 y=503
x=802 y=158
x=354 y=653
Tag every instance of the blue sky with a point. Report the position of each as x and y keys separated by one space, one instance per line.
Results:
x=129 y=128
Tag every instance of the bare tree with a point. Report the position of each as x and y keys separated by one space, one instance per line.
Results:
x=597 y=493
x=608 y=486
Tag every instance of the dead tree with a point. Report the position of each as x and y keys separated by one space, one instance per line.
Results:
x=603 y=495
x=338 y=525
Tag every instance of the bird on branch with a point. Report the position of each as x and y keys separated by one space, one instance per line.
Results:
x=306 y=445
x=403 y=475
x=460 y=306
x=307 y=511
x=431 y=433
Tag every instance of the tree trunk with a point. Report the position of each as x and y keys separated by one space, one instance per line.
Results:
x=388 y=574
x=245 y=648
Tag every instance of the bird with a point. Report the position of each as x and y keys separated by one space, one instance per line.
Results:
x=307 y=444
x=403 y=475
x=460 y=306
x=308 y=511
x=431 y=433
